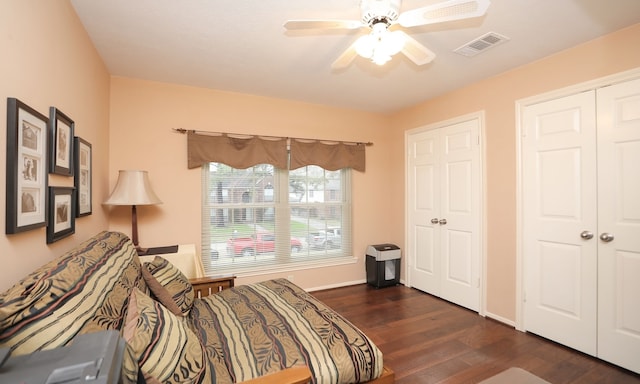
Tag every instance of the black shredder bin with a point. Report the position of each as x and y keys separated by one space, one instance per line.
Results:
x=383 y=265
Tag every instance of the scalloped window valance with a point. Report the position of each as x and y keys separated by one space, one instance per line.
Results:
x=235 y=152
x=281 y=152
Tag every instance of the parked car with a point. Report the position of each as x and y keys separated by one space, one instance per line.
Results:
x=261 y=242
x=329 y=238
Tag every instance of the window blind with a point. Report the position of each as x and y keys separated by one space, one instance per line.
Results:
x=263 y=218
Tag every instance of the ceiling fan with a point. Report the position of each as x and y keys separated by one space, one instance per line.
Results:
x=380 y=16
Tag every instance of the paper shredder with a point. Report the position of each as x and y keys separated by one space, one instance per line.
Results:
x=383 y=265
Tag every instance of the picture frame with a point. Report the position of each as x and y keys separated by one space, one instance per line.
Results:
x=83 y=176
x=26 y=168
x=62 y=213
x=61 y=130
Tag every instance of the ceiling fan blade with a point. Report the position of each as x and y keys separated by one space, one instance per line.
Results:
x=293 y=25
x=415 y=51
x=346 y=57
x=444 y=11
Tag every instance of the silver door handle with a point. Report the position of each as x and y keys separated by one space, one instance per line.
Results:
x=434 y=221
x=606 y=237
x=443 y=221
x=586 y=235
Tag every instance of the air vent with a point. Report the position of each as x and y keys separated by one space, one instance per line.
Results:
x=481 y=44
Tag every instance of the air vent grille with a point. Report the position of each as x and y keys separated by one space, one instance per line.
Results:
x=481 y=44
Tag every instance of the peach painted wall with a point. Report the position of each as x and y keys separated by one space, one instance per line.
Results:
x=48 y=60
x=497 y=96
x=143 y=114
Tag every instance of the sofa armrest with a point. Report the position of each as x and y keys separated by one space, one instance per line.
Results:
x=294 y=375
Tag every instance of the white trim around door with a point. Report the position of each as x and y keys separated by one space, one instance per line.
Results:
x=520 y=106
x=477 y=118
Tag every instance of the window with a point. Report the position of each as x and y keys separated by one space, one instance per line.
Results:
x=264 y=218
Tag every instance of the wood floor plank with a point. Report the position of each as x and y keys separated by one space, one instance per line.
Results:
x=428 y=340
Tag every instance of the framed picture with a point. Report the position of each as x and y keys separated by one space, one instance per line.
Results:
x=62 y=213
x=26 y=196
x=61 y=143
x=82 y=172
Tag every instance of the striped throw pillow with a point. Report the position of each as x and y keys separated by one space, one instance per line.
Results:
x=84 y=290
x=169 y=285
x=166 y=349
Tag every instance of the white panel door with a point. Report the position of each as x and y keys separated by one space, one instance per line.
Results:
x=619 y=217
x=459 y=214
x=559 y=220
x=423 y=204
x=443 y=212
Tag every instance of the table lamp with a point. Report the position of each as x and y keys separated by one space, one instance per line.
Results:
x=133 y=188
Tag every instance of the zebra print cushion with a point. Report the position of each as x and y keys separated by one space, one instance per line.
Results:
x=82 y=291
x=165 y=347
x=255 y=329
x=169 y=285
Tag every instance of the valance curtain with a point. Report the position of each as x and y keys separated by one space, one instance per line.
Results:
x=243 y=153
x=328 y=156
x=235 y=152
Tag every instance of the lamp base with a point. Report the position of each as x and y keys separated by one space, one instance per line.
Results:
x=142 y=251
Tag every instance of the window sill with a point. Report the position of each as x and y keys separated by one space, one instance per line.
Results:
x=298 y=266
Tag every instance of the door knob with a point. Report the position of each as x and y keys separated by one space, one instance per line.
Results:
x=434 y=221
x=443 y=221
x=606 y=237
x=586 y=235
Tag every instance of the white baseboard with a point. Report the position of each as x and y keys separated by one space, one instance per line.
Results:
x=501 y=319
x=338 y=285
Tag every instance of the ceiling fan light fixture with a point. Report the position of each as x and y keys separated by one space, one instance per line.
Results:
x=379 y=15
x=391 y=42
x=380 y=44
x=366 y=45
x=380 y=58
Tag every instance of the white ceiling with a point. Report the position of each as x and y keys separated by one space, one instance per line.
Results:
x=241 y=46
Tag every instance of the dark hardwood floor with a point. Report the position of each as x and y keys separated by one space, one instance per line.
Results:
x=428 y=340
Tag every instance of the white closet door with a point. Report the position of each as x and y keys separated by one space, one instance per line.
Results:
x=423 y=203
x=619 y=216
x=443 y=200
x=459 y=209
x=559 y=217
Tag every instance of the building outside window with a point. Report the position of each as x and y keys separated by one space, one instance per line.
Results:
x=263 y=218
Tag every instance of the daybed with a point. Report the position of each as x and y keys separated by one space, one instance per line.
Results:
x=270 y=332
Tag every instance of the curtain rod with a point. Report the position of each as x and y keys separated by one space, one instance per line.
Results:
x=182 y=130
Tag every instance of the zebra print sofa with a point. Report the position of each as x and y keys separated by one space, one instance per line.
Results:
x=245 y=334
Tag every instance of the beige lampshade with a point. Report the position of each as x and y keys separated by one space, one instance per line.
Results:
x=133 y=188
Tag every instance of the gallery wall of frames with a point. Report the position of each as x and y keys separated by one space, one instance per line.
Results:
x=39 y=145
